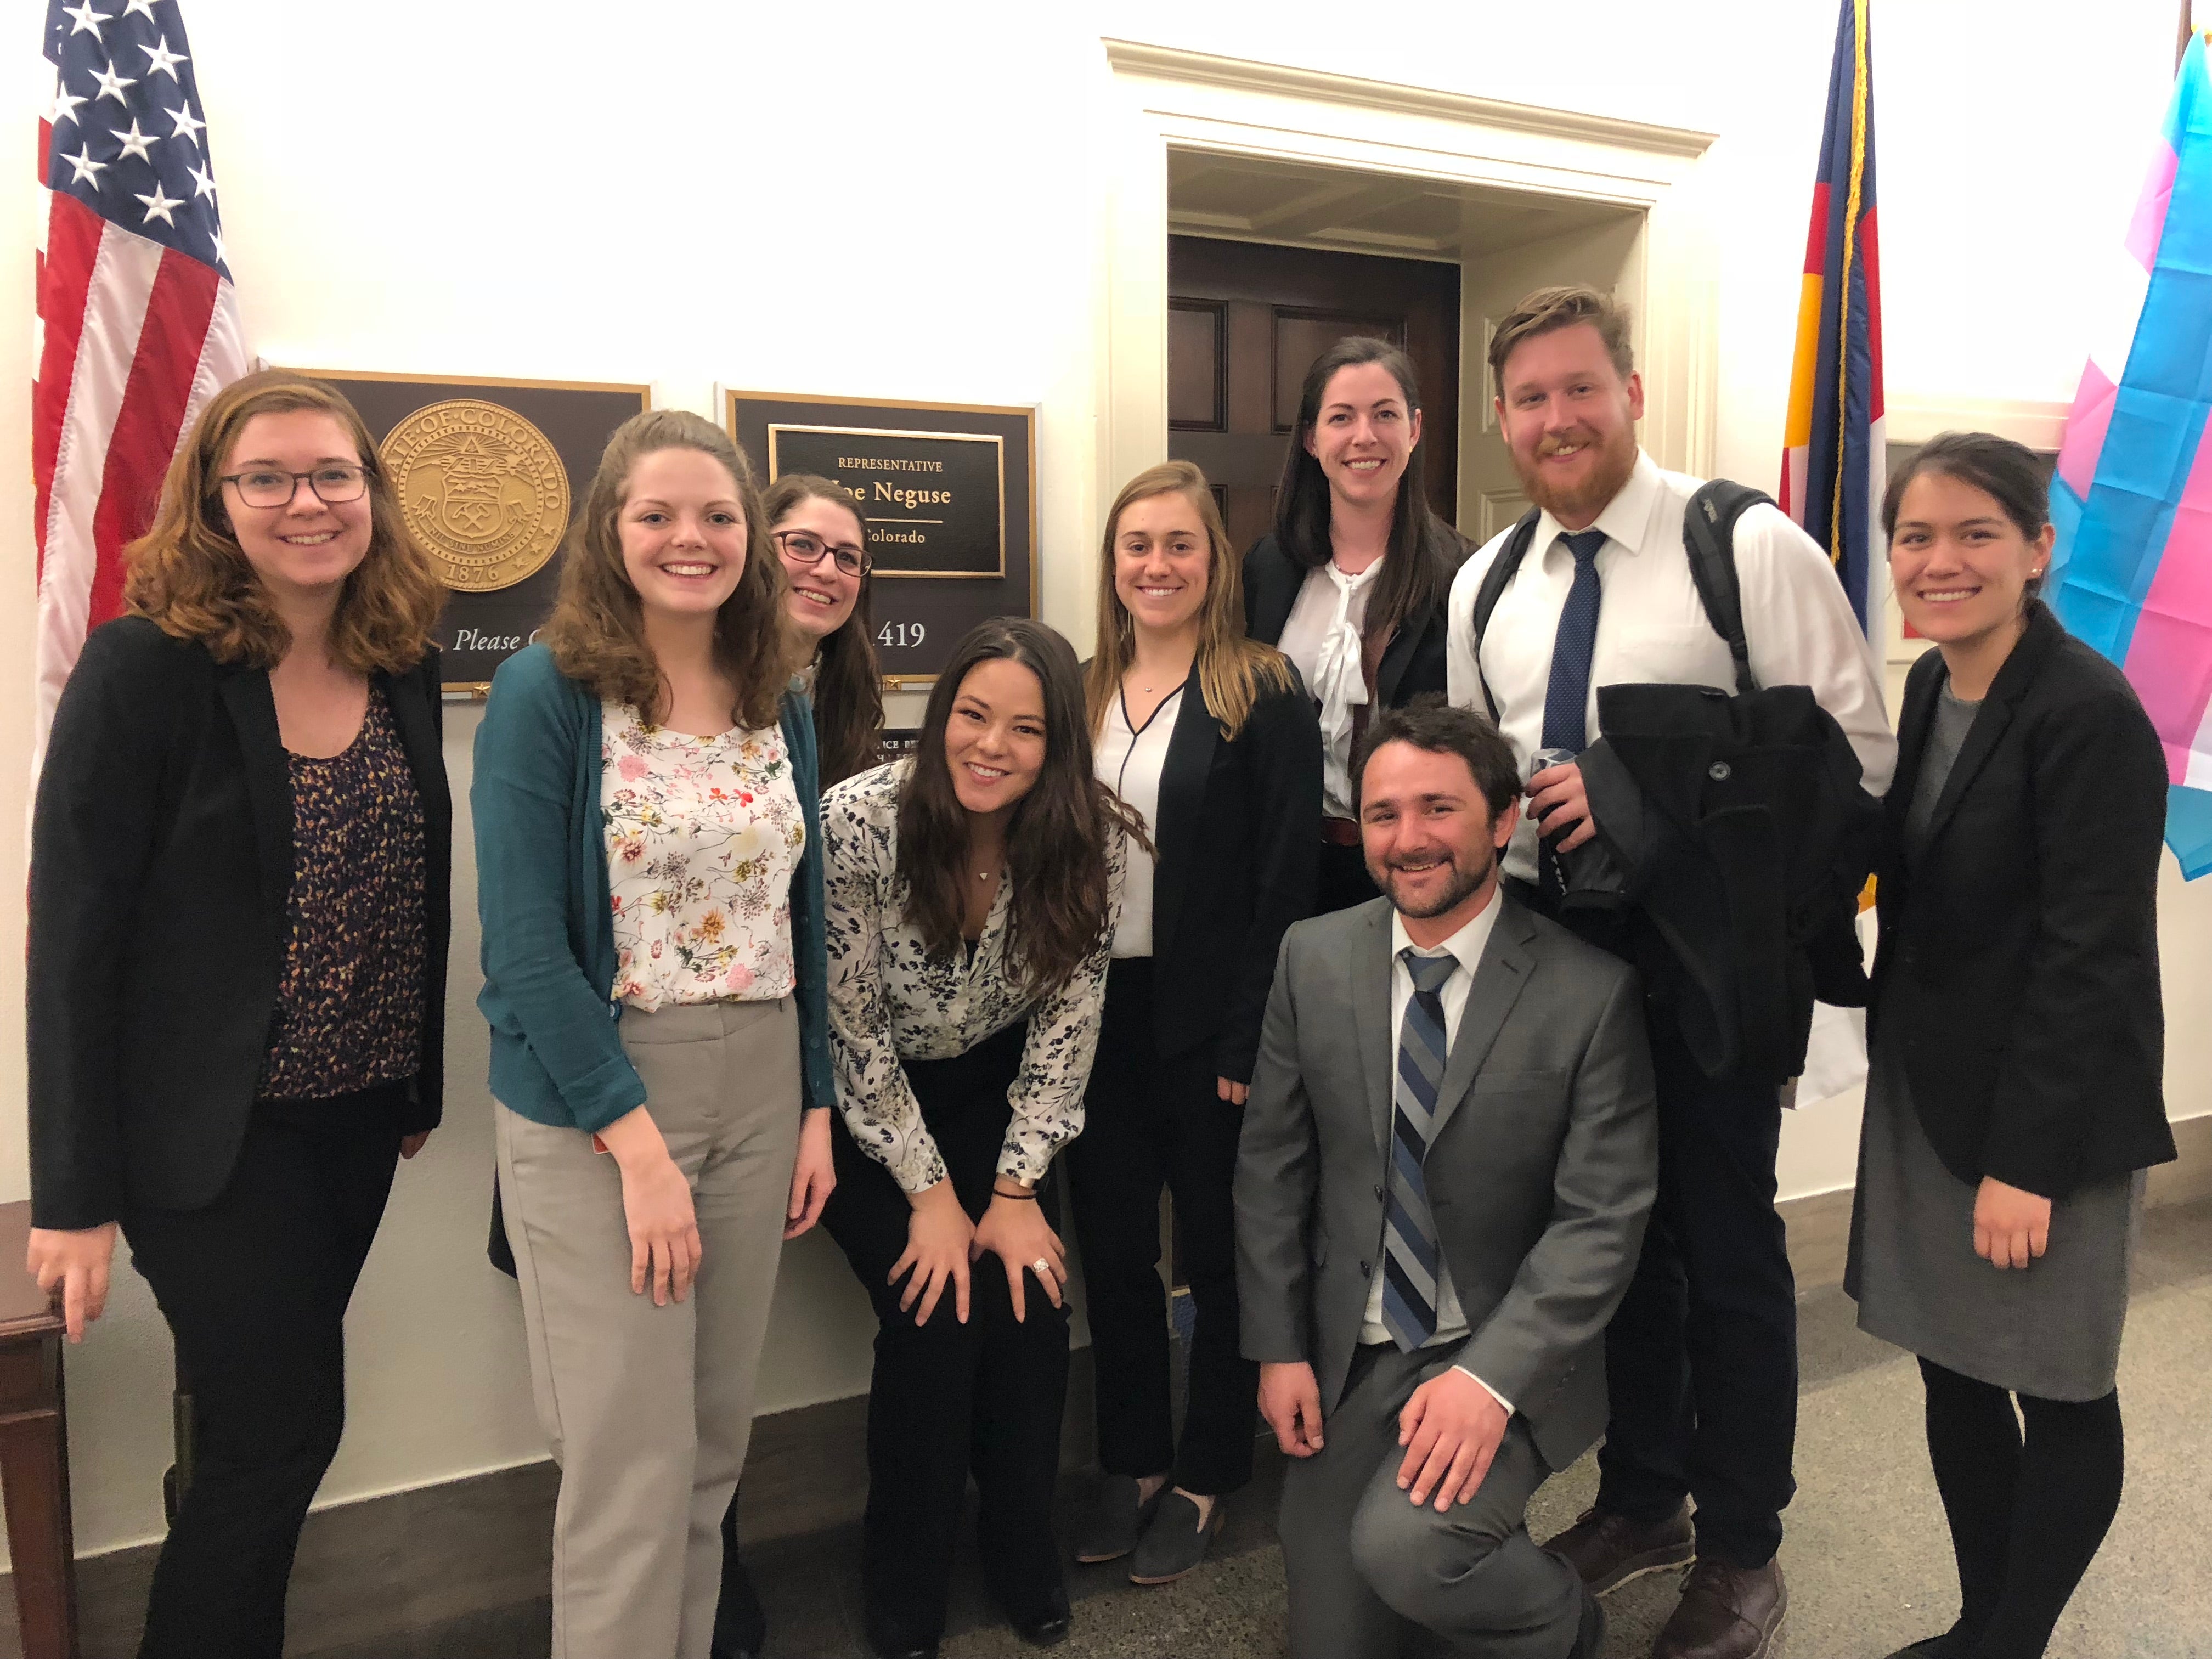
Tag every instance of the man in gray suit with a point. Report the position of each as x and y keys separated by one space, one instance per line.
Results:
x=1448 y=1158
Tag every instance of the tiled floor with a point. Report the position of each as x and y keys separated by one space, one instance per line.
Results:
x=1867 y=1560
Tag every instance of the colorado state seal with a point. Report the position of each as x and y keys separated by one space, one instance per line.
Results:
x=482 y=489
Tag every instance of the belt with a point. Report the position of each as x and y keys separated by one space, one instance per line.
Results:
x=1340 y=832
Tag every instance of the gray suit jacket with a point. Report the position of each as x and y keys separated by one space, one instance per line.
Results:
x=1540 y=1171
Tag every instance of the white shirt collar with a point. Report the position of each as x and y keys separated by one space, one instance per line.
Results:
x=1467 y=944
x=1626 y=519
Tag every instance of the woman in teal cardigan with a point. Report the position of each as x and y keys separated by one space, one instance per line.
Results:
x=649 y=881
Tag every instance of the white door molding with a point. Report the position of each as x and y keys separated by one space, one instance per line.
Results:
x=1164 y=99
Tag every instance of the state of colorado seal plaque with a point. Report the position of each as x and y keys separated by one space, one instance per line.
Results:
x=482 y=489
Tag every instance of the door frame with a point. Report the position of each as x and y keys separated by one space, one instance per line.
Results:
x=1166 y=98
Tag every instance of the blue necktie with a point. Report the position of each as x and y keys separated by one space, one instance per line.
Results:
x=1411 y=1264
x=1566 y=698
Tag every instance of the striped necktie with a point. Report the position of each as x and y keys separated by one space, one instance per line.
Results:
x=1411 y=1264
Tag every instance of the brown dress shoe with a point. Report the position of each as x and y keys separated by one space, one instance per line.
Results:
x=1609 y=1550
x=1725 y=1612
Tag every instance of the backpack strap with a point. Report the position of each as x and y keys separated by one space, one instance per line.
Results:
x=1709 y=537
x=1495 y=580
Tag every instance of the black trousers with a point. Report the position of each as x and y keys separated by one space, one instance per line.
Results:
x=254 y=1288
x=1343 y=880
x=1701 y=1359
x=948 y=1398
x=1149 y=1122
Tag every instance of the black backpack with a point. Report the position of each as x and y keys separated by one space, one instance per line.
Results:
x=1708 y=535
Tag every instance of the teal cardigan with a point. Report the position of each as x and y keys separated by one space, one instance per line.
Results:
x=548 y=916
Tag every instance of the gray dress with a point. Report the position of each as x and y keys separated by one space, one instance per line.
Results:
x=2051 y=1329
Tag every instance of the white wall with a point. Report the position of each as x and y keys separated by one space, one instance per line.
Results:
x=900 y=201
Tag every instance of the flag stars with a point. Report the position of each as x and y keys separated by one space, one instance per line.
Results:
x=161 y=207
x=188 y=125
x=136 y=143
x=202 y=183
x=88 y=170
x=161 y=60
x=140 y=7
x=87 y=20
x=112 y=85
x=65 y=105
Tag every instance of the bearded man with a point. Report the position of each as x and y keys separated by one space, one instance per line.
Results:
x=1447 y=1159
x=1702 y=1357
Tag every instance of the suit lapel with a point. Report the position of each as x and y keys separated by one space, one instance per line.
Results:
x=1370 y=1017
x=253 y=710
x=1499 y=982
x=1395 y=656
x=1182 y=806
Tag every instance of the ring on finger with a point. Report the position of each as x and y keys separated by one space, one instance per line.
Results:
x=1040 y=1267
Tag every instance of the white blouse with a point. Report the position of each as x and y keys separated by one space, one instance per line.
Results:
x=889 y=999
x=1322 y=636
x=704 y=836
x=1129 y=763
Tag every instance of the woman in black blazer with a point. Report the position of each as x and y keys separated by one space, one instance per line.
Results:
x=2016 y=1032
x=1352 y=583
x=237 y=926
x=1213 y=738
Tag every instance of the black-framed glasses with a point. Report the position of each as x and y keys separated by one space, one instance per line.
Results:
x=804 y=548
x=334 y=484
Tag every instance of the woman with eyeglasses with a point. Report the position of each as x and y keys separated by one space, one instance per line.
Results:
x=238 y=924
x=649 y=878
x=822 y=535
x=1351 y=584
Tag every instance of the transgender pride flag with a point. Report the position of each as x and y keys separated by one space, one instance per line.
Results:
x=2132 y=572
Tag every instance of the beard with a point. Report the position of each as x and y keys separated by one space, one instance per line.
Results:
x=1464 y=883
x=1615 y=460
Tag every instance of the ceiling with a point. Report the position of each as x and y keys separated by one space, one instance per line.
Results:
x=1255 y=198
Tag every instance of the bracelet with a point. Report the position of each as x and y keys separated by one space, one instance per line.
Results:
x=1026 y=1198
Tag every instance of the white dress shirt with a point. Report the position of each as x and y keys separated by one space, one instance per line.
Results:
x=1129 y=763
x=1321 y=637
x=1467 y=944
x=1651 y=627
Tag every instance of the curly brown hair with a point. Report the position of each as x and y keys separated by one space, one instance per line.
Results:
x=597 y=634
x=188 y=574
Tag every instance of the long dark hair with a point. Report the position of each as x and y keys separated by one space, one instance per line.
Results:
x=1418 y=566
x=1056 y=838
x=849 y=687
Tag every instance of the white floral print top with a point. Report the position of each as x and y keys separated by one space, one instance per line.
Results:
x=704 y=836
x=889 y=999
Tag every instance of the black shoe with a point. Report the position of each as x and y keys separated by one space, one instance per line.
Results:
x=1175 y=1541
x=1590 y=1635
x=886 y=1643
x=1114 y=1519
x=1045 y=1628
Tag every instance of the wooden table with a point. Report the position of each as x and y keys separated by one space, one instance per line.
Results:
x=34 y=1451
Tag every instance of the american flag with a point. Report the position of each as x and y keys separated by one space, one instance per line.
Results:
x=137 y=319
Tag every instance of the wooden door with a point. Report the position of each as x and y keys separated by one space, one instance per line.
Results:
x=1245 y=322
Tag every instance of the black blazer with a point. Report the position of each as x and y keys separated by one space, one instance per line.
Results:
x=1237 y=841
x=2018 y=966
x=161 y=869
x=1412 y=662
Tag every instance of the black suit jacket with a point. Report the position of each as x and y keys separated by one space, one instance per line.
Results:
x=2018 y=967
x=1238 y=838
x=1412 y=662
x=161 y=871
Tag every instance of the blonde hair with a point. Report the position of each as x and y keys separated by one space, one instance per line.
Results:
x=597 y=633
x=189 y=576
x=1234 y=672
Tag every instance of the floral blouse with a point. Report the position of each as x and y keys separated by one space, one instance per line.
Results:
x=889 y=999
x=704 y=836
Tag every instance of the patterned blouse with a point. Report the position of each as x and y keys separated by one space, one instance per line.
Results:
x=889 y=999
x=704 y=836
x=350 y=1002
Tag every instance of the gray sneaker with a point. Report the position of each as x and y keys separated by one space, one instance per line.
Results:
x=1175 y=1541
x=1110 y=1523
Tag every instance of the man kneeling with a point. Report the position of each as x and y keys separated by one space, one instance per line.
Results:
x=1447 y=1161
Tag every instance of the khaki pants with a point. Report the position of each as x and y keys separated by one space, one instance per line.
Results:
x=648 y=1409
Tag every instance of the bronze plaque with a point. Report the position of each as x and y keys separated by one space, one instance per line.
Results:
x=950 y=494
x=488 y=473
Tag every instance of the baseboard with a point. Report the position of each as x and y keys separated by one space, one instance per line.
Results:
x=1820 y=1224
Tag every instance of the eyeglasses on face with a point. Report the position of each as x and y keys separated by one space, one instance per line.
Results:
x=804 y=549
x=334 y=484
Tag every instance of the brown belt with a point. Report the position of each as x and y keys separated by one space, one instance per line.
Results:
x=1339 y=832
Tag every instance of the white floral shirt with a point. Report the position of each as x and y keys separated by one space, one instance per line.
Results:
x=889 y=999
x=704 y=836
